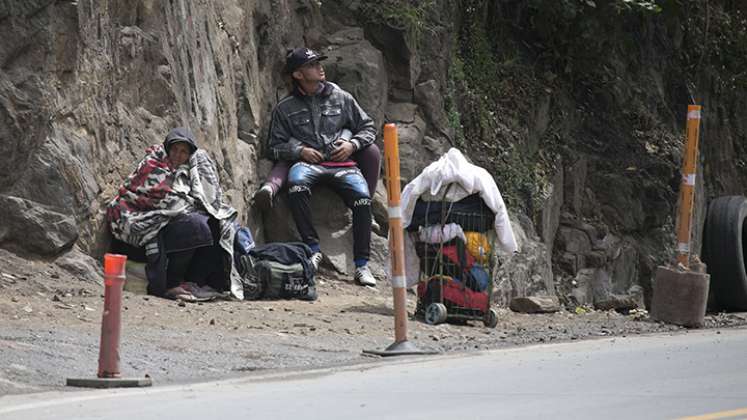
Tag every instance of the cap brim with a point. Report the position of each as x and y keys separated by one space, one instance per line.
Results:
x=318 y=58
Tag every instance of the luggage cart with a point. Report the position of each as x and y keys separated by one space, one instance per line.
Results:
x=455 y=278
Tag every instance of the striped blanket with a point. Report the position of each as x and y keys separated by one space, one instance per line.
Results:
x=155 y=193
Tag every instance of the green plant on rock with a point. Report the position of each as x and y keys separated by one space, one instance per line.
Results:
x=524 y=179
x=490 y=96
x=411 y=16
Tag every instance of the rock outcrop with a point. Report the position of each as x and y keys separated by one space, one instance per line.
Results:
x=86 y=86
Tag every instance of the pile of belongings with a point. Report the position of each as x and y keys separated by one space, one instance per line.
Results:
x=449 y=210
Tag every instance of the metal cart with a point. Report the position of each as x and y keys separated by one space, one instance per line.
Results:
x=455 y=279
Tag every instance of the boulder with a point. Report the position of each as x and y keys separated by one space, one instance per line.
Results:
x=535 y=304
x=582 y=287
x=430 y=99
x=402 y=61
x=621 y=302
x=34 y=228
x=416 y=150
x=358 y=67
x=81 y=265
x=402 y=112
x=598 y=285
x=527 y=273
x=573 y=240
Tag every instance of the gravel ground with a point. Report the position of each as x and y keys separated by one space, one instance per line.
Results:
x=51 y=325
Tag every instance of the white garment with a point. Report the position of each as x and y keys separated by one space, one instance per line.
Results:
x=454 y=193
x=454 y=168
x=436 y=234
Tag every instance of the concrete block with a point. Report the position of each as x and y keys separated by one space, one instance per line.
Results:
x=680 y=297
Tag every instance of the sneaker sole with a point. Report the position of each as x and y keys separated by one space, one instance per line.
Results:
x=362 y=283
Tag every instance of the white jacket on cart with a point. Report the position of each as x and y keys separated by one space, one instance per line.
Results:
x=452 y=168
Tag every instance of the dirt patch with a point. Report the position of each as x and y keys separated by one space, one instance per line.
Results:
x=51 y=326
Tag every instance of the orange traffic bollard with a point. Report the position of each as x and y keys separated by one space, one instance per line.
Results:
x=396 y=240
x=687 y=186
x=400 y=346
x=111 y=322
x=114 y=278
x=680 y=295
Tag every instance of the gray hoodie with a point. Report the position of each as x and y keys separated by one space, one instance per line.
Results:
x=180 y=134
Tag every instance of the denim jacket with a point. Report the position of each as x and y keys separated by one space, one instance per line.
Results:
x=317 y=121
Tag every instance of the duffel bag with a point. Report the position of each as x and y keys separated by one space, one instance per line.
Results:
x=278 y=271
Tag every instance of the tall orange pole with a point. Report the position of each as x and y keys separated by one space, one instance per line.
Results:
x=401 y=345
x=114 y=278
x=687 y=187
x=396 y=238
x=111 y=322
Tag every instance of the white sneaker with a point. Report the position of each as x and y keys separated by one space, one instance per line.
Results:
x=263 y=197
x=363 y=276
x=316 y=259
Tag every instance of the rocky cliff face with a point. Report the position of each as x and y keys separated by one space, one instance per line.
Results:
x=86 y=86
x=587 y=156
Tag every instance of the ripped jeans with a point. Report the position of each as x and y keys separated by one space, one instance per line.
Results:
x=349 y=184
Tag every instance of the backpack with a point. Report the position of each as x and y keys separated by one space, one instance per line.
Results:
x=278 y=271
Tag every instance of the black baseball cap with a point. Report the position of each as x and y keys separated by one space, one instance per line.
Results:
x=300 y=56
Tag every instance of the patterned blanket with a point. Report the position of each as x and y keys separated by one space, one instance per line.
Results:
x=155 y=193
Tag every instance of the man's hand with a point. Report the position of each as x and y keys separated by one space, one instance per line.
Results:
x=343 y=151
x=311 y=155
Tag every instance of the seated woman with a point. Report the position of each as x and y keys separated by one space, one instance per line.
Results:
x=172 y=206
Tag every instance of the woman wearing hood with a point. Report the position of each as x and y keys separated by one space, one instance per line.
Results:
x=172 y=207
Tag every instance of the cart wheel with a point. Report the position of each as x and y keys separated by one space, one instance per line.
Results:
x=491 y=318
x=435 y=313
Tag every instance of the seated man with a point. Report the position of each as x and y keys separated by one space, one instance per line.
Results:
x=306 y=128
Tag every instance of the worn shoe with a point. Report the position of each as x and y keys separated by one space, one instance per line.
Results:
x=363 y=276
x=199 y=293
x=179 y=293
x=263 y=197
x=316 y=259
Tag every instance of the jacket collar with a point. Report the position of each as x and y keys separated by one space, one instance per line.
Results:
x=326 y=90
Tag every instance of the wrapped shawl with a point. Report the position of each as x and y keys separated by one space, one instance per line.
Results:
x=155 y=193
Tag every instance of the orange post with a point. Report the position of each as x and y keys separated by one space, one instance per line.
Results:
x=114 y=278
x=687 y=186
x=108 y=374
x=396 y=239
x=401 y=346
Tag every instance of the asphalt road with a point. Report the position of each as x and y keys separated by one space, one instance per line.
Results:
x=700 y=374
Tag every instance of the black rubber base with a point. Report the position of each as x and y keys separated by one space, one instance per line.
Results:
x=402 y=348
x=109 y=382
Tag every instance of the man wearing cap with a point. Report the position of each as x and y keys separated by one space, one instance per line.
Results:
x=307 y=128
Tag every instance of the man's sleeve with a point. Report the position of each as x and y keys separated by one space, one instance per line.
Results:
x=280 y=144
x=362 y=126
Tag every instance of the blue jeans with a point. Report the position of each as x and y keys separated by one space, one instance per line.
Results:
x=349 y=184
